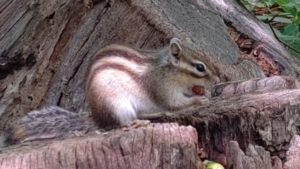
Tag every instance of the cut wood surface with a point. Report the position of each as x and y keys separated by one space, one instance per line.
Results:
x=155 y=146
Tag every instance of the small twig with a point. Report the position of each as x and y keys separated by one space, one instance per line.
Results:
x=274 y=16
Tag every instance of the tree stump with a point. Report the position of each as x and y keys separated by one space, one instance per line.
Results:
x=46 y=47
x=155 y=146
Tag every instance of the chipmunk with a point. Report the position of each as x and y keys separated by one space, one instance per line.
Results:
x=121 y=84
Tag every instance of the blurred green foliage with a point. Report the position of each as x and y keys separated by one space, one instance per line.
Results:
x=287 y=14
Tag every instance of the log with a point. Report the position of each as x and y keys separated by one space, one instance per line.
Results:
x=155 y=146
x=264 y=85
x=245 y=113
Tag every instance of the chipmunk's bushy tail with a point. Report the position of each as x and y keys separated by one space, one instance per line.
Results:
x=50 y=122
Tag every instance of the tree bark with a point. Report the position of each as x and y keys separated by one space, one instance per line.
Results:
x=255 y=157
x=249 y=112
x=46 y=47
x=292 y=155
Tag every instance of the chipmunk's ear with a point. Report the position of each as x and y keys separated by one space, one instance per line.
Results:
x=175 y=45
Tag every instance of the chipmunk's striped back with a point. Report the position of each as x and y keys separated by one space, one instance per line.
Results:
x=114 y=84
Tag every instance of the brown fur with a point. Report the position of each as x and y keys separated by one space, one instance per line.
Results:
x=153 y=82
x=123 y=52
x=50 y=122
x=17 y=133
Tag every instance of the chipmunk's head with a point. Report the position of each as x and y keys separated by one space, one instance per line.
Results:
x=187 y=79
x=188 y=61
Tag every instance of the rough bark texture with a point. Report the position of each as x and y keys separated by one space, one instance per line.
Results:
x=155 y=146
x=255 y=157
x=293 y=154
x=46 y=47
x=260 y=114
x=270 y=55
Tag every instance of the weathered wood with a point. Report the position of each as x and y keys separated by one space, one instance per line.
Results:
x=264 y=45
x=269 y=119
x=155 y=146
x=264 y=85
x=292 y=155
x=255 y=157
x=46 y=47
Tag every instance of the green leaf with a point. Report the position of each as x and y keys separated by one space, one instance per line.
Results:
x=290 y=29
x=276 y=19
x=269 y=2
x=290 y=34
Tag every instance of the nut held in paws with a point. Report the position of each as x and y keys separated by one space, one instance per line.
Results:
x=198 y=90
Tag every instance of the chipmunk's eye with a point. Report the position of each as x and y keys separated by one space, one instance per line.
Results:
x=200 y=67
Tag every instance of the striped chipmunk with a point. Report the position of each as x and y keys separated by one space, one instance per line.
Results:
x=123 y=83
